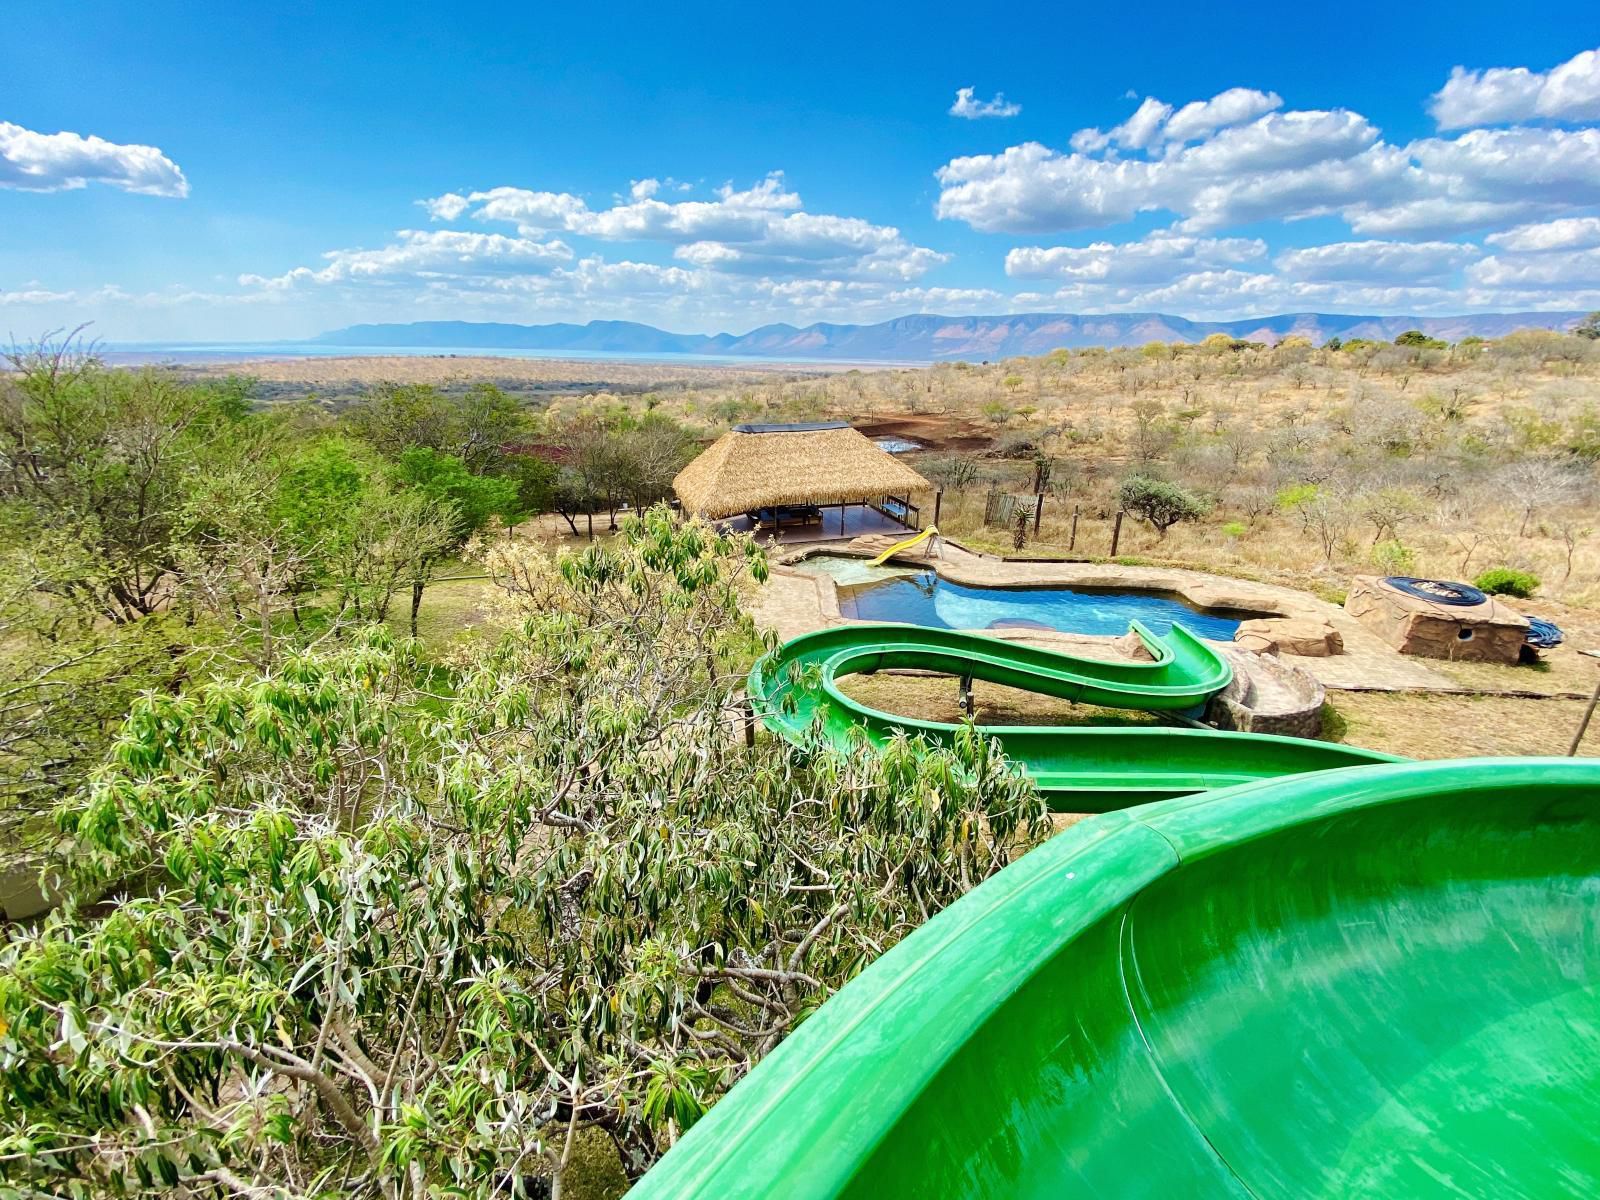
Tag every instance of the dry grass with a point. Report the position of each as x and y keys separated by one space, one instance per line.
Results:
x=1446 y=726
x=1415 y=725
x=459 y=604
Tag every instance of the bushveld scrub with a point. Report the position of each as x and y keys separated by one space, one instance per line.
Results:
x=371 y=942
x=1502 y=581
x=1483 y=451
x=1463 y=456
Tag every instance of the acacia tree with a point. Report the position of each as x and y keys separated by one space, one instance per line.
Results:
x=391 y=946
x=96 y=471
x=1323 y=511
x=354 y=534
x=466 y=503
x=1160 y=503
x=474 y=426
x=239 y=562
x=67 y=678
x=104 y=461
x=1536 y=485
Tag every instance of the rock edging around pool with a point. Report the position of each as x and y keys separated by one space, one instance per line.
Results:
x=1214 y=593
x=1267 y=695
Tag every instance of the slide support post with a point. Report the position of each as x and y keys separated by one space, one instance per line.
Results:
x=1588 y=713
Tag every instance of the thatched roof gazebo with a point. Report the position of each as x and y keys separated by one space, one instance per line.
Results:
x=753 y=468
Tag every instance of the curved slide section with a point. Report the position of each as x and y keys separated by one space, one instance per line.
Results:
x=1079 y=768
x=1383 y=981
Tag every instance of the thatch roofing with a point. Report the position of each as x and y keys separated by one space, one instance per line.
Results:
x=756 y=466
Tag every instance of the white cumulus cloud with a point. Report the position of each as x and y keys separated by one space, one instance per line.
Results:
x=1157 y=258
x=1519 y=272
x=1144 y=127
x=761 y=229
x=427 y=255
x=969 y=106
x=54 y=162
x=1155 y=122
x=1202 y=118
x=1501 y=95
x=1413 y=263
x=744 y=250
x=1567 y=233
x=1278 y=166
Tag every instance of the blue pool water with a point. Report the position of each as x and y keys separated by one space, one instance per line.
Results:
x=925 y=599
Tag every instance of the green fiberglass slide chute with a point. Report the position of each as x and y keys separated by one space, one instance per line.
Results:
x=1376 y=982
x=1079 y=768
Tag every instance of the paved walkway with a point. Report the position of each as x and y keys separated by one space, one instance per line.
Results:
x=793 y=603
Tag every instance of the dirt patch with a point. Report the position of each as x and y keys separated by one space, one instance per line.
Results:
x=1417 y=726
x=934 y=698
x=932 y=432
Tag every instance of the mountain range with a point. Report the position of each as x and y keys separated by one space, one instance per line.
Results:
x=926 y=338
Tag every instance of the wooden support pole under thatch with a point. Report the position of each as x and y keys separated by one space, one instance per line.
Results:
x=938 y=502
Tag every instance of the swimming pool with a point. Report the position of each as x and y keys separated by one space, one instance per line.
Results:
x=920 y=597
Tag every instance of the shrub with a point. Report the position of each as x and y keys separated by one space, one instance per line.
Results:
x=1393 y=557
x=521 y=895
x=1016 y=443
x=1234 y=529
x=1505 y=581
x=1161 y=503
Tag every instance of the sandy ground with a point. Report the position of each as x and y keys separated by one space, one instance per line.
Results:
x=447 y=368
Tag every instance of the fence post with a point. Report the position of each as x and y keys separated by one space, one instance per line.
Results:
x=1038 y=512
x=1072 y=542
x=1116 y=532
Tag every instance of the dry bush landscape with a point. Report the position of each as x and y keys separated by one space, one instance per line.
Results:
x=1312 y=464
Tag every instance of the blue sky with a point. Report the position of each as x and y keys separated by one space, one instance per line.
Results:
x=183 y=171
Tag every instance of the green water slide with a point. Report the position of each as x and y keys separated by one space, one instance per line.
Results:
x=1376 y=982
x=1078 y=768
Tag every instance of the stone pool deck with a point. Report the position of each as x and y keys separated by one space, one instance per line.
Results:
x=792 y=603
